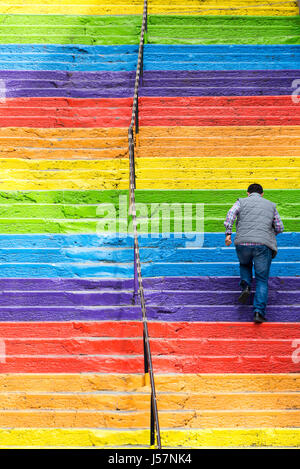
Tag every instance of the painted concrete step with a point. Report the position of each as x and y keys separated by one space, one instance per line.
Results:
x=173 y=383
x=89 y=84
x=145 y=164
x=88 y=438
x=60 y=138
x=165 y=284
x=140 y=419
x=55 y=240
x=91 y=7
x=203 y=313
x=162 y=364
x=221 y=57
x=125 y=270
x=211 y=7
x=63 y=112
x=99 y=340
x=91 y=348
x=157 y=329
x=107 y=142
x=240 y=30
x=87 y=228
x=123 y=255
x=256 y=7
x=219 y=131
x=103 y=178
x=66 y=57
x=248 y=404
x=160 y=298
x=212 y=213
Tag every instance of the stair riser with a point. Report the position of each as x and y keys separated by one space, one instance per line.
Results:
x=134 y=329
x=180 y=364
x=223 y=313
x=163 y=299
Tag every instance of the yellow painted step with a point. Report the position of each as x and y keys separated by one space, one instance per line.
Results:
x=228 y=183
x=107 y=174
x=40 y=166
x=220 y=438
x=227 y=7
x=70 y=7
x=109 y=167
x=166 y=183
x=122 y=7
x=194 y=163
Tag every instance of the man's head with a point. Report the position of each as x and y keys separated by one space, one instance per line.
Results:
x=255 y=188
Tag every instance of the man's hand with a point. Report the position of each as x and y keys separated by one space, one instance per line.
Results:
x=228 y=241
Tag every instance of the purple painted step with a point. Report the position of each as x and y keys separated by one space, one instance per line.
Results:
x=154 y=283
x=67 y=84
x=219 y=74
x=159 y=298
x=245 y=90
x=259 y=82
x=120 y=84
x=217 y=83
x=66 y=298
x=155 y=313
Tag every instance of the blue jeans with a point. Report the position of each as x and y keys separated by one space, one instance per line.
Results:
x=261 y=258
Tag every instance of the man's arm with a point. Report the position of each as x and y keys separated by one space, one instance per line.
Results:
x=277 y=223
x=230 y=219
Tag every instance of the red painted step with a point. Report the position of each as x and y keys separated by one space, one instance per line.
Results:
x=210 y=111
x=174 y=364
x=156 y=329
x=65 y=112
x=222 y=101
x=134 y=346
x=66 y=102
x=116 y=347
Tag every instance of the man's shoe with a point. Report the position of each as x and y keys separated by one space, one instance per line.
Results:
x=258 y=318
x=244 y=295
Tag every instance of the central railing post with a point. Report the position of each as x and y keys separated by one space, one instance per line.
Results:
x=138 y=290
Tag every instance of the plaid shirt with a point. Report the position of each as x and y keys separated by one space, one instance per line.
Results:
x=233 y=213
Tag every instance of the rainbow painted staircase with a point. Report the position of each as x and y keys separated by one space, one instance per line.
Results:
x=216 y=114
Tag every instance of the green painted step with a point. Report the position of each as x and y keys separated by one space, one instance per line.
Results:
x=90 y=211
x=61 y=29
x=41 y=226
x=76 y=211
x=269 y=21
x=280 y=196
x=223 y=30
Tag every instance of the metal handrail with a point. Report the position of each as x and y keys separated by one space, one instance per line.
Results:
x=138 y=281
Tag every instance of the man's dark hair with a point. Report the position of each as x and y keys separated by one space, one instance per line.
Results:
x=255 y=188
